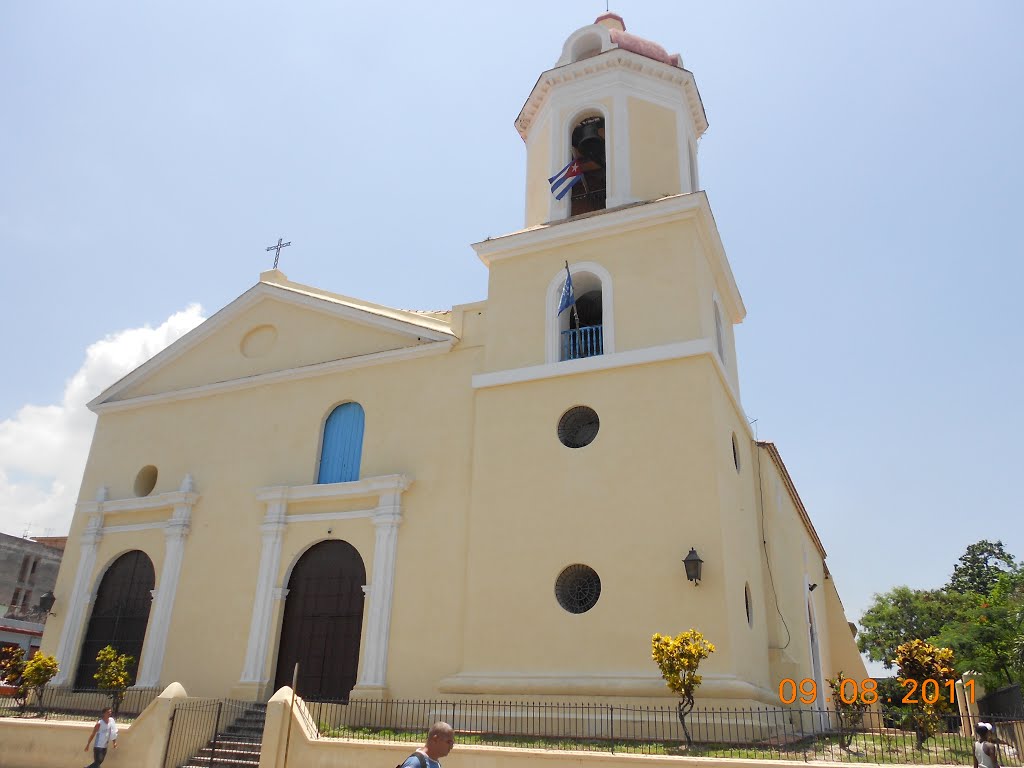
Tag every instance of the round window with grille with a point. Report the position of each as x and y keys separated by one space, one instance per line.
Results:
x=578 y=426
x=577 y=588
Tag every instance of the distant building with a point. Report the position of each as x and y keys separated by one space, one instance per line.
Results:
x=56 y=542
x=28 y=569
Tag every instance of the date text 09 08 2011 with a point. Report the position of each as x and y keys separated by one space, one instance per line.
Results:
x=850 y=692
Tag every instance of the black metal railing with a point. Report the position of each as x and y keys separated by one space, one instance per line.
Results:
x=582 y=342
x=214 y=732
x=876 y=736
x=1008 y=700
x=71 y=704
x=587 y=201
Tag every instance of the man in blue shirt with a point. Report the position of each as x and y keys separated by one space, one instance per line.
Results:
x=440 y=740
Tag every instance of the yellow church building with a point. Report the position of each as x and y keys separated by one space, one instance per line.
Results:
x=495 y=500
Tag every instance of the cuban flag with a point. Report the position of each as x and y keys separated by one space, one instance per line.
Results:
x=566 y=179
x=568 y=295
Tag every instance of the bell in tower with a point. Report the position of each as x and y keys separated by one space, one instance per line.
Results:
x=588 y=147
x=625 y=109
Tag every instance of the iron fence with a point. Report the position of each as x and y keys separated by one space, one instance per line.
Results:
x=213 y=732
x=71 y=704
x=876 y=736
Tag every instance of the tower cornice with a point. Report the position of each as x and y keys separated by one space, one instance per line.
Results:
x=617 y=58
x=624 y=219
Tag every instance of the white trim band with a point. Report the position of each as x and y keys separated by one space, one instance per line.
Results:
x=632 y=357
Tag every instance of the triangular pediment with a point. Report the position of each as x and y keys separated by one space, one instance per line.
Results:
x=273 y=331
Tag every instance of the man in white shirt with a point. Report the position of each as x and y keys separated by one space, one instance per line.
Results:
x=105 y=732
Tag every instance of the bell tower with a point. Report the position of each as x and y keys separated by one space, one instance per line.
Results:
x=622 y=107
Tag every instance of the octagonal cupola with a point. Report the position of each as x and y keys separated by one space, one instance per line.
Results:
x=616 y=121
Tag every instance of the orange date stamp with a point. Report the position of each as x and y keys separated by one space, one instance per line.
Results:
x=866 y=692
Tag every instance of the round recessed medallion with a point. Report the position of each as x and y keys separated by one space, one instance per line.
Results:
x=259 y=341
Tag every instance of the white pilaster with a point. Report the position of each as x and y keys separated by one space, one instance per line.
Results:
x=386 y=519
x=78 y=604
x=254 y=670
x=175 y=533
x=619 y=180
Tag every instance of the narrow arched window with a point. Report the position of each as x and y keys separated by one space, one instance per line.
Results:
x=119 y=615
x=342 y=448
x=692 y=157
x=719 y=334
x=588 y=147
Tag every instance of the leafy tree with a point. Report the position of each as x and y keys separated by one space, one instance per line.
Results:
x=980 y=567
x=39 y=671
x=920 y=661
x=12 y=672
x=849 y=715
x=678 y=659
x=903 y=614
x=982 y=640
x=112 y=675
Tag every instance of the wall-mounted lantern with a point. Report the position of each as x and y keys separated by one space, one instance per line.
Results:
x=692 y=563
x=46 y=601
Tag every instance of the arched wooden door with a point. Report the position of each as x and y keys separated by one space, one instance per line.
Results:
x=119 y=614
x=323 y=619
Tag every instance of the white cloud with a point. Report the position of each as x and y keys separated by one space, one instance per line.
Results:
x=43 y=448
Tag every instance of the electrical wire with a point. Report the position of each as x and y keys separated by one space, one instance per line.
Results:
x=764 y=544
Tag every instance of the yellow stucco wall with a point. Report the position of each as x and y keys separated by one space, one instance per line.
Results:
x=654 y=285
x=654 y=150
x=605 y=505
x=233 y=444
x=539 y=168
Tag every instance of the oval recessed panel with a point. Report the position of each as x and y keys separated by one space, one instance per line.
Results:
x=259 y=341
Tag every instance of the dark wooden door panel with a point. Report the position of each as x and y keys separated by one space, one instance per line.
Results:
x=120 y=614
x=323 y=619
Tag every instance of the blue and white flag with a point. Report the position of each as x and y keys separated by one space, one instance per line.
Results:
x=568 y=296
x=566 y=179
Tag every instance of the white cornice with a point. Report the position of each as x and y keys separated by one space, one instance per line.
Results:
x=631 y=357
x=625 y=219
x=261 y=292
x=370 y=486
x=141 y=504
x=613 y=59
x=275 y=377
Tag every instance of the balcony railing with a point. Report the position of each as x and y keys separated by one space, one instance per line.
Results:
x=582 y=342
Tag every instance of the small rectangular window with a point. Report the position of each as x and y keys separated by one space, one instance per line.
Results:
x=35 y=564
x=16 y=599
x=24 y=567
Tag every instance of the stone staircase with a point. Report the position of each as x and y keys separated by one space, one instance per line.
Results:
x=237 y=745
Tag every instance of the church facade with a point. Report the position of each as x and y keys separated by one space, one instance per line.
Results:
x=494 y=500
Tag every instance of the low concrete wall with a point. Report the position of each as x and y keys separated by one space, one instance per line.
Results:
x=305 y=750
x=61 y=744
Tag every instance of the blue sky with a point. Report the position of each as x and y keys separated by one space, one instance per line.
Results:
x=863 y=164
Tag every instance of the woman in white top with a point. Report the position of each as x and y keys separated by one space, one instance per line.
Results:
x=984 y=750
x=105 y=732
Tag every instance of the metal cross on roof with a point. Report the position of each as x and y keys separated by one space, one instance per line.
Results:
x=278 y=248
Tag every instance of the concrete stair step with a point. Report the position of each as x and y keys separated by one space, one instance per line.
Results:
x=238 y=751
x=205 y=762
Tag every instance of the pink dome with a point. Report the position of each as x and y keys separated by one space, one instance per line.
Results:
x=617 y=31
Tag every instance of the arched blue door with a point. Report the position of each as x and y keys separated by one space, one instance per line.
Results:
x=343 y=444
